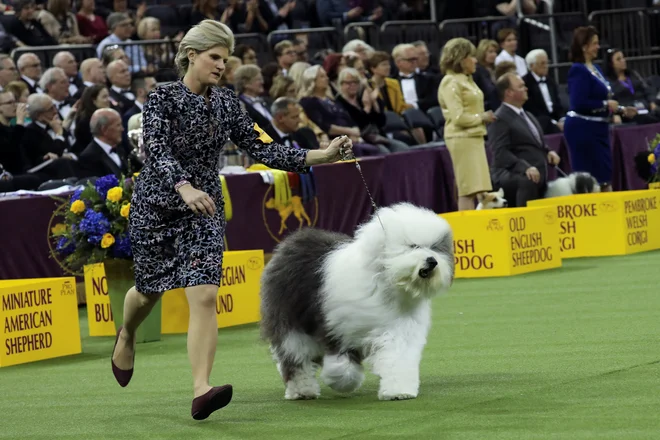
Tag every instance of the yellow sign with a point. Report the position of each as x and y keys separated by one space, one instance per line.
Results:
x=610 y=223
x=238 y=296
x=39 y=320
x=504 y=242
x=654 y=185
x=99 y=313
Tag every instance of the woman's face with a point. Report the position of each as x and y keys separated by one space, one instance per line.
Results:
x=350 y=86
x=491 y=54
x=510 y=43
x=102 y=99
x=469 y=65
x=382 y=69
x=619 y=62
x=208 y=66
x=591 y=49
x=153 y=31
x=250 y=57
x=321 y=80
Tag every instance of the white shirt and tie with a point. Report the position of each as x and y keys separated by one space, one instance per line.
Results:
x=530 y=124
x=543 y=86
x=409 y=89
x=109 y=151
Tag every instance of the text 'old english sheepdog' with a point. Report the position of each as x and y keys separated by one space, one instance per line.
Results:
x=332 y=301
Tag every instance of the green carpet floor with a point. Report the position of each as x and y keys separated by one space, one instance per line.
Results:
x=564 y=354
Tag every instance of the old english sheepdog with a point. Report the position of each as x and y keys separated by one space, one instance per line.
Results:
x=332 y=301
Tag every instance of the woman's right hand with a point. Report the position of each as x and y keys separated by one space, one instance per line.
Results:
x=488 y=117
x=613 y=105
x=198 y=201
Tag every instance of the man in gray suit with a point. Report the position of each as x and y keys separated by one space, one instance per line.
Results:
x=520 y=155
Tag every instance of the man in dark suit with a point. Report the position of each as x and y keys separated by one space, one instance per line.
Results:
x=520 y=155
x=419 y=90
x=102 y=156
x=543 y=102
x=284 y=126
x=119 y=76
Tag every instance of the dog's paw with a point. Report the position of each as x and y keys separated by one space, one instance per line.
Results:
x=298 y=396
x=396 y=396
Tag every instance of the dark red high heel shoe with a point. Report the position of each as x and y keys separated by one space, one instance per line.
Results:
x=216 y=398
x=123 y=376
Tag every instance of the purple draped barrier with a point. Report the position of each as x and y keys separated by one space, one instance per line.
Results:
x=627 y=142
x=24 y=232
x=422 y=176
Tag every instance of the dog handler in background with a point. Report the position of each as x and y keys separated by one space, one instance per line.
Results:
x=177 y=218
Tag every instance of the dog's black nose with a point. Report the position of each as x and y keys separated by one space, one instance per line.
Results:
x=431 y=262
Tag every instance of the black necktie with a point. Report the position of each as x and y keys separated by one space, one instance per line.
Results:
x=411 y=76
x=542 y=81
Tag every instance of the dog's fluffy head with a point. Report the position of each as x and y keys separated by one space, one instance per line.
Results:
x=492 y=200
x=412 y=250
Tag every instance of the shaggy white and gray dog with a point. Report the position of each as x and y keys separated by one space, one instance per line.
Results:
x=332 y=301
x=574 y=183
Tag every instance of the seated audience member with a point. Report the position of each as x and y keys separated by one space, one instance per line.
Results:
x=114 y=53
x=141 y=87
x=121 y=95
x=300 y=47
x=90 y=24
x=93 y=98
x=55 y=83
x=67 y=62
x=503 y=68
x=103 y=155
x=543 y=102
x=12 y=168
x=283 y=86
x=46 y=140
x=121 y=28
x=246 y=54
x=357 y=47
x=8 y=71
x=484 y=77
x=508 y=39
x=27 y=29
x=156 y=55
x=249 y=84
x=58 y=20
x=227 y=79
x=366 y=110
x=419 y=90
x=630 y=90
x=285 y=126
x=285 y=55
x=92 y=72
x=21 y=93
x=520 y=155
x=424 y=64
x=321 y=108
x=29 y=69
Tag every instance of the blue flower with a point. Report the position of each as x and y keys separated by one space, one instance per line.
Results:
x=94 y=224
x=65 y=247
x=122 y=247
x=76 y=195
x=103 y=184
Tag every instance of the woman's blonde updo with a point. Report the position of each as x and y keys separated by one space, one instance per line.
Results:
x=455 y=51
x=202 y=37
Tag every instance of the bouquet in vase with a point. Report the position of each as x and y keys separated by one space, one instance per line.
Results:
x=95 y=224
x=647 y=162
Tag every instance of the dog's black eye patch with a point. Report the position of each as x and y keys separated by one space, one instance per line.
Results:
x=414 y=246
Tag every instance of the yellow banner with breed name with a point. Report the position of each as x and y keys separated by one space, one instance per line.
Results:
x=39 y=320
x=609 y=223
x=504 y=242
x=237 y=302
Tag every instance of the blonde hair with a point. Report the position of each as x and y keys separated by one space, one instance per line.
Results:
x=348 y=71
x=280 y=86
x=307 y=82
x=455 y=51
x=296 y=70
x=398 y=50
x=244 y=75
x=144 y=25
x=202 y=37
x=482 y=49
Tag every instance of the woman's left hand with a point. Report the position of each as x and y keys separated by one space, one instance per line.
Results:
x=341 y=148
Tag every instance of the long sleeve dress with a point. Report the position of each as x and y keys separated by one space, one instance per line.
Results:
x=183 y=136
x=586 y=128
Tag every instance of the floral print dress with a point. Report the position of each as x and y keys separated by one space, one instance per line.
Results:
x=183 y=137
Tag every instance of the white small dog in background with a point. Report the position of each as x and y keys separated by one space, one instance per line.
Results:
x=332 y=301
x=491 y=200
x=574 y=183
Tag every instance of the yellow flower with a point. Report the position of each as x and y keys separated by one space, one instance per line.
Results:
x=114 y=194
x=651 y=158
x=125 y=210
x=78 y=207
x=107 y=241
x=58 y=229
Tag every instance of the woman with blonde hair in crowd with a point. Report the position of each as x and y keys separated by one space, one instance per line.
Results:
x=462 y=105
x=177 y=218
x=484 y=76
x=283 y=86
x=157 y=55
x=21 y=92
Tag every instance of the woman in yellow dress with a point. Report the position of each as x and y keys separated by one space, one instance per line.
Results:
x=462 y=105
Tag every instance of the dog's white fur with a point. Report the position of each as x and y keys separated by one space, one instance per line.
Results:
x=491 y=200
x=374 y=300
x=566 y=186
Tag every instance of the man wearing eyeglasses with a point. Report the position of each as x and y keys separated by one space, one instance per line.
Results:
x=121 y=27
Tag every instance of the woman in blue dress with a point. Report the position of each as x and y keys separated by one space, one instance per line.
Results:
x=586 y=128
x=177 y=218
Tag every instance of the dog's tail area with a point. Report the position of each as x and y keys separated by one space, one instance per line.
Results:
x=341 y=373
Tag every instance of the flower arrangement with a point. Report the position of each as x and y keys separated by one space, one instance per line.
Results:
x=648 y=162
x=95 y=227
